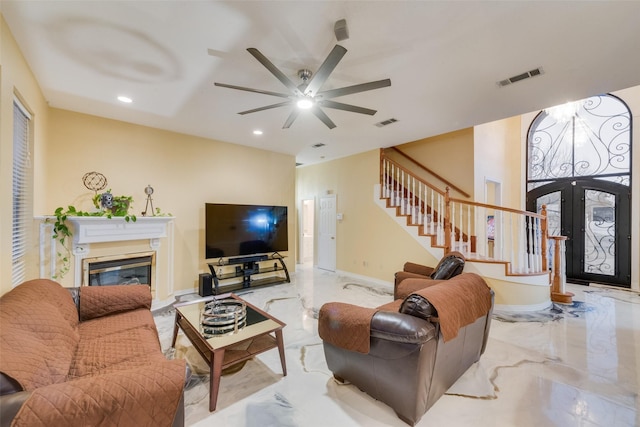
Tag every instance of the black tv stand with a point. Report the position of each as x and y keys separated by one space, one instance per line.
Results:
x=247 y=259
x=271 y=268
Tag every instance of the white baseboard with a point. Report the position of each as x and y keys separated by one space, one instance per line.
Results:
x=159 y=304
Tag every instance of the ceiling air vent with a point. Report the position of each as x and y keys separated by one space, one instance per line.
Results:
x=386 y=122
x=519 y=77
x=318 y=145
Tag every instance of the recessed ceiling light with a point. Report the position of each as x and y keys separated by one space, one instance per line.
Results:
x=125 y=99
x=257 y=132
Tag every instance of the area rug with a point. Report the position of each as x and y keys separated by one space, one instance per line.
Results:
x=237 y=382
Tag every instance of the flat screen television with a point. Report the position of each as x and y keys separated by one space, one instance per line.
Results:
x=236 y=230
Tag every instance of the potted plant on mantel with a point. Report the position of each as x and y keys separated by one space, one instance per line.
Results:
x=108 y=206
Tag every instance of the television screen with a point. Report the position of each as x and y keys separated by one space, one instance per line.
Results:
x=234 y=230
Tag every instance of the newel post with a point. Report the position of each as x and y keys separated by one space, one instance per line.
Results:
x=447 y=221
x=545 y=239
x=558 y=292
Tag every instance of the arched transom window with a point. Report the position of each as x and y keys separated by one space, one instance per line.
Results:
x=590 y=138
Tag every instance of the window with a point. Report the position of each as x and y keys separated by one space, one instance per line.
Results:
x=21 y=191
x=590 y=138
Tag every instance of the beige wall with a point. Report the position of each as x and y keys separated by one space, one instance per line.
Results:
x=450 y=156
x=185 y=171
x=16 y=80
x=631 y=97
x=368 y=241
x=497 y=159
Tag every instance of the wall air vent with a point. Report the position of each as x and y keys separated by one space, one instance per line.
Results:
x=526 y=75
x=386 y=122
x=318 y=145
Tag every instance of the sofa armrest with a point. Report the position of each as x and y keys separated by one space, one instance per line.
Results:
x=345 y=325
x=423 y=270
x=148 y=395
x=99 y=301
x=10 y=404
x=402 y=328
x=412 y=284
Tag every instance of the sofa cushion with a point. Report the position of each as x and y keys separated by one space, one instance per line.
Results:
x=97 y=301
x=134 y=397
x=45 y=290
x=102 y=326
x=38 y=333
x=418 y=306
x=105 y=347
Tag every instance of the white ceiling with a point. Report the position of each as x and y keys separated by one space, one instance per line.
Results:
x=443 y=58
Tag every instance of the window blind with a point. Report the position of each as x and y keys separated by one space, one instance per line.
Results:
x=22 y=197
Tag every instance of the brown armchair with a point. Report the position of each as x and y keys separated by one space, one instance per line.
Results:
x=451 y=265
x=409 y=352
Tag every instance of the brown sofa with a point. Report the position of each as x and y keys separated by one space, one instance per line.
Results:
x=87 y=357
x=451 y=264
x=407 y=353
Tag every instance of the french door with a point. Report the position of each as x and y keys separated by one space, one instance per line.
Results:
x=595 y=215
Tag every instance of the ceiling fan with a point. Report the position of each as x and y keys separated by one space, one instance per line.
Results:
x=308 y=95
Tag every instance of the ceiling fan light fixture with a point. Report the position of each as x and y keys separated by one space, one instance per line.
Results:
x=309 y=95
x=304 y=103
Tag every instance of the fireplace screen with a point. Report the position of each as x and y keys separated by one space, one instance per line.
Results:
x=131 y=270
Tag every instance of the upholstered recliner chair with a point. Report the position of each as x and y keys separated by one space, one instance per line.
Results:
x=407 y=353
x=451 y=264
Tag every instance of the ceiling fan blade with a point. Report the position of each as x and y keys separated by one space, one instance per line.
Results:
x=334 y=93
x=291 y=118
x=325 y=70
x=323 y=117
x=275 y=71
x=347 y=107
x=267 y=107
x=248 y=89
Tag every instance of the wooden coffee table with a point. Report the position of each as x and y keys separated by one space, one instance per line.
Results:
x=228 y=349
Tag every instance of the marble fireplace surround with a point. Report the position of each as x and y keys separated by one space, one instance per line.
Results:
x=97 y=237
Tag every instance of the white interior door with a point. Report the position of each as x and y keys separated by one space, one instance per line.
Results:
x=308 y=223
x=327 y=233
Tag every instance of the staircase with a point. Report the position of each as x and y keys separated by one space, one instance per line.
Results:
x=508 y=247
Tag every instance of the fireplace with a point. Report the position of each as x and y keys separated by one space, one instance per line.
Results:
x=98 y=239
x=129 y=269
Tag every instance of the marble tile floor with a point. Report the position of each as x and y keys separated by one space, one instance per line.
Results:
x=576 y=365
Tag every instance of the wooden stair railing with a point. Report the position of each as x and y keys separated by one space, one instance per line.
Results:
x=427 y=170
x=481 y=231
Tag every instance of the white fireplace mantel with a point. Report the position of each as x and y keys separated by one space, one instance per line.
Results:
x=89 y=229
